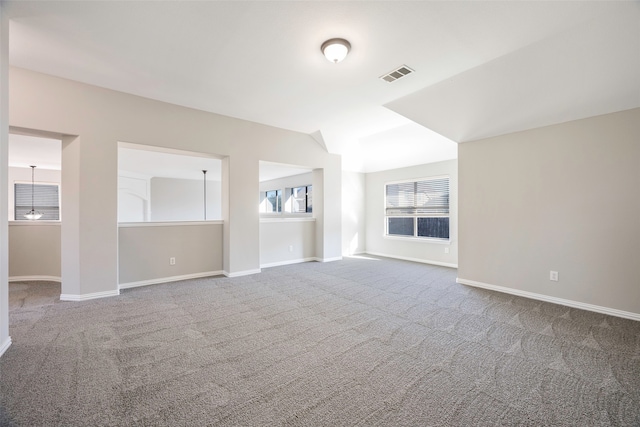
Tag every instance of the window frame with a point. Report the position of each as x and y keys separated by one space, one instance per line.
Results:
x=416 y=216
x=279 y=207
x=307 y=207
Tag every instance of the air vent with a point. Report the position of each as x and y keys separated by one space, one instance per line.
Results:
x=397 y=74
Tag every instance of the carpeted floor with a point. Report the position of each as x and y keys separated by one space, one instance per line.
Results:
x=355 y=342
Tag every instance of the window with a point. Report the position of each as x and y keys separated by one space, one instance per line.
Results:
x=273 y=201
x=418 y=208
x=46 y=200
x=302 y=199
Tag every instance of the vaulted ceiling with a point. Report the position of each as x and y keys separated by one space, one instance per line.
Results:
x=482 y=68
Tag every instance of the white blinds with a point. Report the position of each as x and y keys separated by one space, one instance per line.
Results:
x=45 y=200
x=424 y=198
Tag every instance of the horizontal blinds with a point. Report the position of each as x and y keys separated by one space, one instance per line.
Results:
x=423 y=198
x=45 y=200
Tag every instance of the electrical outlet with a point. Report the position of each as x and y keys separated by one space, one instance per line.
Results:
x=290 y=248
x=172 y=261
x=553 y=276
x=446 y=250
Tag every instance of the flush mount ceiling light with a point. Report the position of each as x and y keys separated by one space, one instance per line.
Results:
x=335 y=49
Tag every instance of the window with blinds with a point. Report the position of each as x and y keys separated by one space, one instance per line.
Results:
x=418 y=208
x=46 y=200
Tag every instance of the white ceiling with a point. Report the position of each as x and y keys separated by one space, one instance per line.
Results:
x=482 y=68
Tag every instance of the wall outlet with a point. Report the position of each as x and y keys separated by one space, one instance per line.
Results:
x=553 y=276
x=172 y=261
x=290 y=248
x=446 y=250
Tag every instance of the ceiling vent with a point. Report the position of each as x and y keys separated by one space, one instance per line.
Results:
x=397 y=74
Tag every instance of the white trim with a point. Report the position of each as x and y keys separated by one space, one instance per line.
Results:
x=417 y=239
x=337 y=258
x=85 y=297
x=169 y=223
x=288 y=219
x=561 y=301
x=428 y=178
x=39 y=222
x=5 y=345
x=35 y=279
x=292 y=261
x=242 y=273
x=169 y=279
x=423 y=261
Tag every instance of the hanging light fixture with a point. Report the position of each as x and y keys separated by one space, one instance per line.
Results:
x=32 y=214
x=335 y=49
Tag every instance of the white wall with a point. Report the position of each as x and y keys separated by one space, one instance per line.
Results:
x=133 y=198
x=286 y=241
x=21 y=175
x=563 y=198
x=354 y=230
x=183 y=200
x=286 y=238
x=91 y=121
x=421 y=250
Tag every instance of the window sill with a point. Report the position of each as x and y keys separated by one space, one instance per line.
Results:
x=287 y=219
x=419 y=239
x=37 y=222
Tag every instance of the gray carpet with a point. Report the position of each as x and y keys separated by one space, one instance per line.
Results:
x=355 y=342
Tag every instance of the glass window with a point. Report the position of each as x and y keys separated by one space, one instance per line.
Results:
x=273 y=201
x=302 y=199
x=418 y=208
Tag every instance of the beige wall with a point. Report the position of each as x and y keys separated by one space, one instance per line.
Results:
x=421 y=250
x=145 y=250
x=562 y=198
x=286 y=241
x=34 y=251
x=92 y=120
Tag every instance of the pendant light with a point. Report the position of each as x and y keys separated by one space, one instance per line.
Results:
x=204 y=178
x=32 y=214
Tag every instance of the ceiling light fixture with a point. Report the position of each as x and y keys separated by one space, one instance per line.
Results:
x=32 y=214
x=335 y=49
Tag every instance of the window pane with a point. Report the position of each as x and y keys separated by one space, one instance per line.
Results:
x=437 y=228
x=432 y=196
x=310 y=198
x=298 y=200
x=400 y=226
x=274 y=201
x=45 y=201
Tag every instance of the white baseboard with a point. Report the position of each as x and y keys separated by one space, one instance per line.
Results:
x=85 y=297
x=423 y=261
x=289 y=262
x=337 y=258
x=242 y=273
x=169 y=279
x=5 y=346
x=561 y=301
x=35 y=279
